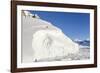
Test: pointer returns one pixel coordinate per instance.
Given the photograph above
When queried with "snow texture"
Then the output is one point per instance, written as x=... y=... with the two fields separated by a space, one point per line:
x=42 y=41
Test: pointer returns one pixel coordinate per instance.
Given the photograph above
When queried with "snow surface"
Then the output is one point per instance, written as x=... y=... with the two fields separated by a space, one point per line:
x=42 y=41
x=51 y=44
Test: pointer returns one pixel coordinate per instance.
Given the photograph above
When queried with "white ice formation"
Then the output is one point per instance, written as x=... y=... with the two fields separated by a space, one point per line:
x=43 y=40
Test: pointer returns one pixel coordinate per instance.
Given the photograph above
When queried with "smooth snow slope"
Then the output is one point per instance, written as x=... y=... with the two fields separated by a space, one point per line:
x=42 y=41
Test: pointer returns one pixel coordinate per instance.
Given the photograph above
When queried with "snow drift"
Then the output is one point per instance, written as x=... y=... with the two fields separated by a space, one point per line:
x=45 y=40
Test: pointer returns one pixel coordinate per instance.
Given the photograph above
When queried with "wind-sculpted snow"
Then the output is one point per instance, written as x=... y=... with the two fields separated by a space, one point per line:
x=42 y=41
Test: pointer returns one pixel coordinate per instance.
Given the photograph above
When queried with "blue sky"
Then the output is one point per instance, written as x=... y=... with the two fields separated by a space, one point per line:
x=74 y=25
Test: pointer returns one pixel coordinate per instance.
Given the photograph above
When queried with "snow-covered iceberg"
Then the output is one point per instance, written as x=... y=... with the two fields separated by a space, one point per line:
x=44 y=40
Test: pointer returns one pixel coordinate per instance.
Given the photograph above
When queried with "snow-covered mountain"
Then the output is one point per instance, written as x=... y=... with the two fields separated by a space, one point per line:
x=83 y=43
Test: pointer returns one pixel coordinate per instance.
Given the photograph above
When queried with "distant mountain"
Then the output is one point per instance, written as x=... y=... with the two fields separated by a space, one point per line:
x=83 y=43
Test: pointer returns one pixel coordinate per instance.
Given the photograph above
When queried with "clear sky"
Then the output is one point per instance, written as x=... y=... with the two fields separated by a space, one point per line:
x=74 y=25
